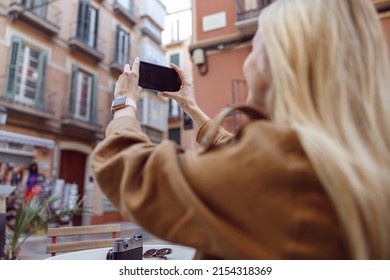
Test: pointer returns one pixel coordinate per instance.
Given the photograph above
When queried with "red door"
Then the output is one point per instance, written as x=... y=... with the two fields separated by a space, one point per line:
x=72 y=170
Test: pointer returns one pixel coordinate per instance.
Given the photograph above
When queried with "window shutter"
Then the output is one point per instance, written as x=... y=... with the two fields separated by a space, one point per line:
x=94 y=98
x=96 y=29
x=113 y=91
x=41 y=84
x=118 y=29
x=12 y=73
x=127 y=47
x=73 y=91
x=81 y=19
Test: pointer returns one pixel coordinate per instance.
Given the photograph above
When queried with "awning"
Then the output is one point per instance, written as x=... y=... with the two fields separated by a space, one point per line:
x=26 y=139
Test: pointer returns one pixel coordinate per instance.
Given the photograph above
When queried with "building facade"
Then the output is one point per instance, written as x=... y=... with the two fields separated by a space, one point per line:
x=176 y=38
x=61 y=60
x=222 y=34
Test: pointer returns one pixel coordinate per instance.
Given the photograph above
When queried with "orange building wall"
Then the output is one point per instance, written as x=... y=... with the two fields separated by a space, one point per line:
x=205 y=8
x=214 y=90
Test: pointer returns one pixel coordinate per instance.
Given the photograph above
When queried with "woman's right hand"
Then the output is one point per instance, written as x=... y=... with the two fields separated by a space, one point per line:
x=185 y=97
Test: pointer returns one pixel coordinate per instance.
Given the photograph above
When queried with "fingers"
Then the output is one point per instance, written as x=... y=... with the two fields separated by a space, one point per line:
x=126 y=68
x=173 y=95
x=135 y=67
x=165 y=94
x=181 y=74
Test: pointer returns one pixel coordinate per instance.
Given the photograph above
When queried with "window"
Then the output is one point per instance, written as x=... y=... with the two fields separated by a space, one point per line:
x=37 y=7
x=122 y=46
x=87 y=24
x=152 y=112
x=175 y=59
x=127 y=4
x=150 y=52
x=174 y=110
x=26 y=73
x=175 y=31
x=83 y=96
x=174 y=134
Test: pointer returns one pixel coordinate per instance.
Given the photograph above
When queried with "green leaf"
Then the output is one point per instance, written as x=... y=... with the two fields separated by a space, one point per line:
x=33 y=216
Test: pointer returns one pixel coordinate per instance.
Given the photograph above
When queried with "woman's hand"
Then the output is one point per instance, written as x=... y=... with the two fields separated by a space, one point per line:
x=185 y=97
x=127 y=84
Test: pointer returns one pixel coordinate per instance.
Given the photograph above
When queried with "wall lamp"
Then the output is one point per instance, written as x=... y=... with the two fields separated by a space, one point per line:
x=200 y=59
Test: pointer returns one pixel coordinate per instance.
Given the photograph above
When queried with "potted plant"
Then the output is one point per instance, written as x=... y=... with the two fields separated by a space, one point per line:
x=33 y=216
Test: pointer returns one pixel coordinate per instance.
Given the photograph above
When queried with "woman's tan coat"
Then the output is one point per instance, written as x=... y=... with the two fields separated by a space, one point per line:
x=253 y=197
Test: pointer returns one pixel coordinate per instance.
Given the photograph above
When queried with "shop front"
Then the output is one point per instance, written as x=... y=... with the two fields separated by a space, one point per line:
x=18 y=151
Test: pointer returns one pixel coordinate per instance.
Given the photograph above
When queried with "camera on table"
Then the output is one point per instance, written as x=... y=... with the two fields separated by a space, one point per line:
x=126 y=249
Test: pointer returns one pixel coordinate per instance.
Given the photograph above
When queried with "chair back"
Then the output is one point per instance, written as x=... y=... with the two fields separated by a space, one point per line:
x=78 y=245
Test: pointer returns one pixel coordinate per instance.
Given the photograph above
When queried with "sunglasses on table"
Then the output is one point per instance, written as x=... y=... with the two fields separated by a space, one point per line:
x=158 y=253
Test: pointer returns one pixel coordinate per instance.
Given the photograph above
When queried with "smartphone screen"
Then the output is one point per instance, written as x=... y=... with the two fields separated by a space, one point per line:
x=159 y=78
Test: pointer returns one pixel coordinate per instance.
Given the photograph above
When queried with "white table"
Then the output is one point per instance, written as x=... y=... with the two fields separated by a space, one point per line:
x=178 y=253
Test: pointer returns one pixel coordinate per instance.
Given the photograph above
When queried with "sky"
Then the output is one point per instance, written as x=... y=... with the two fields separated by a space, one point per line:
x=176 y=5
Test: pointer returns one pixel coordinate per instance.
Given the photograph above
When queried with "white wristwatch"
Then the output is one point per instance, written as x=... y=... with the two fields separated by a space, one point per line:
x=122 y=102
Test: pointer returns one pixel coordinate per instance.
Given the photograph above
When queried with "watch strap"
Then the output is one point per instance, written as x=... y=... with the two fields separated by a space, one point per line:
x=122 y=102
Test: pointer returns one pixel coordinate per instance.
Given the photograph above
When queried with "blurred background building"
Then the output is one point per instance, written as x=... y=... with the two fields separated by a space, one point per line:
x=222 y=34
x=60 y=61
x=176 y=38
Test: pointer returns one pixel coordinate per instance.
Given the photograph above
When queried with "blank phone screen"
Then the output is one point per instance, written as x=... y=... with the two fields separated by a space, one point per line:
x=159 y=78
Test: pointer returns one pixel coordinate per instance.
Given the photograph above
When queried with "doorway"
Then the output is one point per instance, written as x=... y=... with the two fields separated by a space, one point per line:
x=72 y=170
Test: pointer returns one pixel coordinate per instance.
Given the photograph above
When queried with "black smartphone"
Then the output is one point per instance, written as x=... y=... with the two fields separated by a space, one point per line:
x=157 y=77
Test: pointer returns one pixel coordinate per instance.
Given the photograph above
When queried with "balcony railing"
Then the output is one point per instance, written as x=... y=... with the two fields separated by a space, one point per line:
x=88 y=43
x=69 y=119
x=44 y=17
x=128 y=14
x=247 y=13
x=28 y=111
x=118 y=62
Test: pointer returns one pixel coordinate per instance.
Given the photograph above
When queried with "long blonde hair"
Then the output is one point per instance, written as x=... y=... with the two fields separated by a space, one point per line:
x=331 y=83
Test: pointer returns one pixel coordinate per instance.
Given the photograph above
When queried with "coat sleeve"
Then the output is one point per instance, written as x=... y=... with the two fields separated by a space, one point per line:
x=221 y=135
x=190 y=198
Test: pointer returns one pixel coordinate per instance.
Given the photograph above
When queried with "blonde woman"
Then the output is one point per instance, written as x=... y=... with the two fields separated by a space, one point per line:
x=308 y=180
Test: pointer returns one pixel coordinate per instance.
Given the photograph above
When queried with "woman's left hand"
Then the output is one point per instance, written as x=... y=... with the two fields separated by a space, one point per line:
x=127 y=84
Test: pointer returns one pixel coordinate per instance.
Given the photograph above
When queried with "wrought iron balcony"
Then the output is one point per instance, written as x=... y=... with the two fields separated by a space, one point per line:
x=118 y=62
x=44 y=17
x=71 y=121
x=247 y=14
x=28 y=111
x=90 y=44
